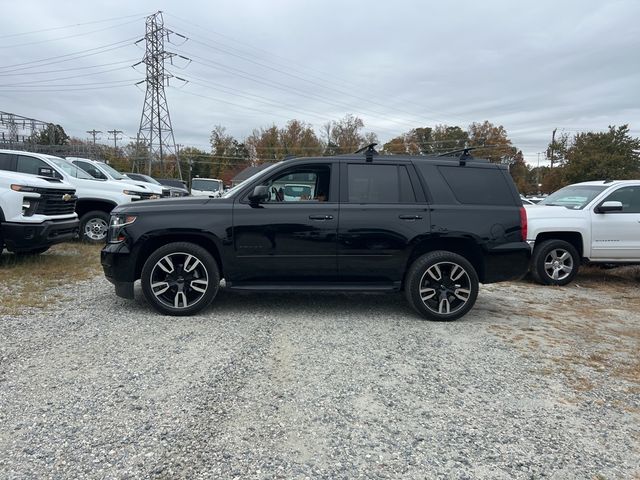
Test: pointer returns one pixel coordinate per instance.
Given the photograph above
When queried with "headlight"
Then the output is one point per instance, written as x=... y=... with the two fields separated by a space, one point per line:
x=133 y=193
x=22 y=188
x=116 y=227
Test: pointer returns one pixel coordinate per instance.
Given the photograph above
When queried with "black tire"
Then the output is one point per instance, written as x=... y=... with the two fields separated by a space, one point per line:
x=554 y=262
x=441 y=286
x=94 y=227
x=187 y=291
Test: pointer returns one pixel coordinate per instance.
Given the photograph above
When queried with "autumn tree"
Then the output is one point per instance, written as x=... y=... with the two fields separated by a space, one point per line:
x=345 y=135
x=226 y=152
x=486 y=133
x=521 y=174
x=447 y=138
x=603 y=155
x=416 y=142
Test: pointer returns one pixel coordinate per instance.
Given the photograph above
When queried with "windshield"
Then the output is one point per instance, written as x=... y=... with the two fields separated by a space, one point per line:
x=112 y=171
x=208 y=185
x=575 y=197
x=149 y=179
x=232 y=191
x=70 y=169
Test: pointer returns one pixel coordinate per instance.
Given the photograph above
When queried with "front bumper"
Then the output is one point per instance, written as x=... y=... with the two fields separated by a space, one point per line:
x=23 y=237
x=509 y=261
x=119 y=268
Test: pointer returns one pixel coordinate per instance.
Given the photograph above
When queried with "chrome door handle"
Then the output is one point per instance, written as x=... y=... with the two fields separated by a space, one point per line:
x=409 y=217
x=320 y=217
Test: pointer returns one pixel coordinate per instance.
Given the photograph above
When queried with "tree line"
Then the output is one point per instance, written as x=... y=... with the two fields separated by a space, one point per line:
x=613 y=154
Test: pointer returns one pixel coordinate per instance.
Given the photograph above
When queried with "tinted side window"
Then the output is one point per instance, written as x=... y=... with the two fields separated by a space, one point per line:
x=379 y=184
x=5 y=161
x=90 y=169
x=629 y=197
x=478 y=186
x=30 y=165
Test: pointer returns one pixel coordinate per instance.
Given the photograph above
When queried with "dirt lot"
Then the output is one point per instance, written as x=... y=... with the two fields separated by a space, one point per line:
x=536 y=382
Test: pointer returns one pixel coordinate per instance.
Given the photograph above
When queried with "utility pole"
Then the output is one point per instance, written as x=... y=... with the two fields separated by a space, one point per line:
x=553 y=141
x=93 y=133
x=156 y=132
x=115 y=134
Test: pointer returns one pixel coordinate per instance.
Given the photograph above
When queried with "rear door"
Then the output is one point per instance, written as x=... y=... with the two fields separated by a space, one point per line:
x=381 y=211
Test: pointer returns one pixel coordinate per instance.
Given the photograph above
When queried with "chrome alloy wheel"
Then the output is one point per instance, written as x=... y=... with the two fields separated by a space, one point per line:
x=445 y=288
x=96 y=229
x=558 y=264
x=179 y=280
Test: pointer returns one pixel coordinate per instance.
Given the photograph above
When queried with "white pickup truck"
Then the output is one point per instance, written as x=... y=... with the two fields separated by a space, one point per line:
x=35 y=212
x=95 y=198
x=593 y=222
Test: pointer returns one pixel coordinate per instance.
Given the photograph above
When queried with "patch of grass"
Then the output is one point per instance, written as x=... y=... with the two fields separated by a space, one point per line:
x=26 y=281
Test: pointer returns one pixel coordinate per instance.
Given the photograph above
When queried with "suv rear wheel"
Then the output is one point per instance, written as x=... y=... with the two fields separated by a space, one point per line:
x=554 y=262
x=180 y=279
x=441 y=286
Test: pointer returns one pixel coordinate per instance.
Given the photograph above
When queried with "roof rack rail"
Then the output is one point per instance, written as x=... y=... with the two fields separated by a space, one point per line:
x=464 y=153
x=369 y=151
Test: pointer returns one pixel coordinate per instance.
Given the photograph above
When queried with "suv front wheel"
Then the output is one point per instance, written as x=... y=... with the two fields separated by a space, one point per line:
x=441 y=286
x=180 y=279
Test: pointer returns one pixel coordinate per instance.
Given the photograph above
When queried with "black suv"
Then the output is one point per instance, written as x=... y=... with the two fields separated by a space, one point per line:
x=431 y=226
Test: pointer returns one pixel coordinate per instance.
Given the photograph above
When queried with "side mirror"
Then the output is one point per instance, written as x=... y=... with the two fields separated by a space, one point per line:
x=46 y=172
x=260 y=194
x=610 y=206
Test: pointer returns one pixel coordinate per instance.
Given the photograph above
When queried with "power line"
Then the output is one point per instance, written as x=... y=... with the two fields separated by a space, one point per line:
x=115 y=134
x=73 y=25
x=65 y=78
x=104 y=48
x=48 y=40
x=128 y=62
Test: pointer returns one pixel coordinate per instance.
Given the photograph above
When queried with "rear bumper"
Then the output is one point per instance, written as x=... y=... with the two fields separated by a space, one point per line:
x=509 y=261
x=22 y=237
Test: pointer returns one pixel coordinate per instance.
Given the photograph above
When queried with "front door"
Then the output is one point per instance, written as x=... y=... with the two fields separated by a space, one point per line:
x=616 y=235
x=291 y=237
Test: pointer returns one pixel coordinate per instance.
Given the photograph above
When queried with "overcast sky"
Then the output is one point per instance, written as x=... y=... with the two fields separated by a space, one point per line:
x=531 y=67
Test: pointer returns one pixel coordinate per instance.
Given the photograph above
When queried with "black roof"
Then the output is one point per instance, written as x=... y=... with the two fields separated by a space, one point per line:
x=249 y=171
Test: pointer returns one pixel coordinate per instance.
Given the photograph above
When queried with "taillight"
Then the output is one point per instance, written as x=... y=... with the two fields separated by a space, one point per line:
x=523 y=223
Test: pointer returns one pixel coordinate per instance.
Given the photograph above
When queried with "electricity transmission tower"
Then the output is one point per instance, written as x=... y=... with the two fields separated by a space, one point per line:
x=155 y=133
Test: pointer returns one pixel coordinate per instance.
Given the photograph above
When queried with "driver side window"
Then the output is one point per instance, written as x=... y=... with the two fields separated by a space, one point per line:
x=300 y=184
x=629 y=197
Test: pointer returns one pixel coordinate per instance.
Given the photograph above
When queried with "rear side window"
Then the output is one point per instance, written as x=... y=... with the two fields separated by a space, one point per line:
x=478 y=186
x=379 y=184
x=5 y=161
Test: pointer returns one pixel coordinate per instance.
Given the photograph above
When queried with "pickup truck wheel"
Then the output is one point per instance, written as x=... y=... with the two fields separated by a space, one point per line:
x=441 y=286
x=94 y=226
x=554 y=262
x=180 y=279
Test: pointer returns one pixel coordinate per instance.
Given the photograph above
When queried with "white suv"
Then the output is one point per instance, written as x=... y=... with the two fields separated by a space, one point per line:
x=96 y=198
x=102 y=171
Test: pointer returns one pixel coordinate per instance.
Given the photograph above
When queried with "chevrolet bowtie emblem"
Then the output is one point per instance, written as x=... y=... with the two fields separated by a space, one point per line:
x=66 y=197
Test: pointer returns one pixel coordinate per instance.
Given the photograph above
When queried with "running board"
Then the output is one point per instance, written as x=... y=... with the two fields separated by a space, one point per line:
x=333 y=287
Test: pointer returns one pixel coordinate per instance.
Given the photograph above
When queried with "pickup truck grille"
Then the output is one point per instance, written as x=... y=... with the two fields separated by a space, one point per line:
x=166 y=192
x=145 y=196
x=52 y=201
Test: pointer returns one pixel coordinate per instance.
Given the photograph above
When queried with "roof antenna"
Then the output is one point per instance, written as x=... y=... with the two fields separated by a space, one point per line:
x=369 y=151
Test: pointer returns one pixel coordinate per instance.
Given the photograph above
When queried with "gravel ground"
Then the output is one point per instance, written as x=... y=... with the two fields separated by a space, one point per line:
x=534 y=383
